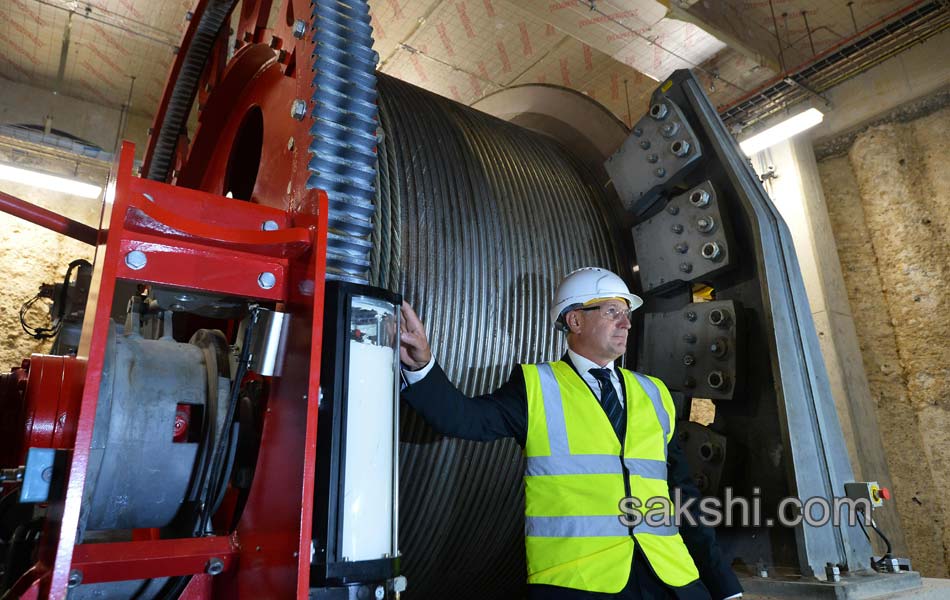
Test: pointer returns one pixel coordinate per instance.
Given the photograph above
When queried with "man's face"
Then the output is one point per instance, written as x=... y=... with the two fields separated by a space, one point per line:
x=600 y=330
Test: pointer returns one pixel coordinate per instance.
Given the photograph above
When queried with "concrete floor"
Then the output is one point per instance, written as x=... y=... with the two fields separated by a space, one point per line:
x=931 y=589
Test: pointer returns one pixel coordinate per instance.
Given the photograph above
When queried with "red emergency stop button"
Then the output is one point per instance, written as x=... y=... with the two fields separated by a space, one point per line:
x=885 y=493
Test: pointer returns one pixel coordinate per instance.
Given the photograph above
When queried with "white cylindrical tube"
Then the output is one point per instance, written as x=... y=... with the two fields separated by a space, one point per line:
x=369 y=482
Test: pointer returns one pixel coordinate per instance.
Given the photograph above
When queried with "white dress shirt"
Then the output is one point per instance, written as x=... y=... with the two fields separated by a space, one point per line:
x=411 y=377
x=584 y=365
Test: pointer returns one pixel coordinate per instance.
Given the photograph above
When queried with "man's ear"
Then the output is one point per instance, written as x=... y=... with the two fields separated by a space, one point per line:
x=573 y=321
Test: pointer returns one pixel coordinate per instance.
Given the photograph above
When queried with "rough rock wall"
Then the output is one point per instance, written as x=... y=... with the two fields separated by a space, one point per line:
x=889 y=202
x=31 y=255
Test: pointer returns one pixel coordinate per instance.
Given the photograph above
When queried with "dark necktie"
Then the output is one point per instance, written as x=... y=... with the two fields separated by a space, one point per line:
x=609 y=400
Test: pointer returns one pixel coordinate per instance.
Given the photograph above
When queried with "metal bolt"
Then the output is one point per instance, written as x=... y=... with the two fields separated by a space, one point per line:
x=716 y=380
x=269 y=225
x=47 y=474
x=659 y=111
x=214 y=567
x=290 y=143
x=702 y=482
x=298 y=109
x=75 y=578
x=686 y=267
x=719 y=317
x=699 y=198
x=266 y=280
x=705 y=224
x=832 y=572
x=710 y=452
x=681 y=247
x=669 y=130
x=135 y=260
x=645 y=144
x=679 y=148
x=637 y=131
x=719 y=347
x=652 y=158
x=689 y=338
x=380 y=592
x=676 y=228
x=306 y=287
x=690 y=315
x=181 y=422
x=711 y=251
x=689 y=360
x=672 y=209
x=300 y=28
x=660 y=172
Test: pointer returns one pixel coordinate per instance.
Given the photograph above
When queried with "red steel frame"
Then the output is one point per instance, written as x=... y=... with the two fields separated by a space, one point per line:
x=200 y=241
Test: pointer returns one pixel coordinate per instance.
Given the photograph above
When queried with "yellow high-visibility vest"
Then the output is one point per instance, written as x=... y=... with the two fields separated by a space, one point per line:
x=574 y=482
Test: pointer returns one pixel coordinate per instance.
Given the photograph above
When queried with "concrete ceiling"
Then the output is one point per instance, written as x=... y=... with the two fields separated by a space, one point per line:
x=109 y=42
x=612 y=50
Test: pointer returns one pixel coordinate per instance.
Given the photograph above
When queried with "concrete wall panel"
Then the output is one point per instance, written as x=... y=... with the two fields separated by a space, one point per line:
x=32 y=255
x=888 y=201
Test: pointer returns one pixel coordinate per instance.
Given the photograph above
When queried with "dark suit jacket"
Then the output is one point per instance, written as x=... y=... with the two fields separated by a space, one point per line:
x=504 y=413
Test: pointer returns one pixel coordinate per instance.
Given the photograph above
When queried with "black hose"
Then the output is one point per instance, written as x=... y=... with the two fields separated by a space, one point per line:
x=216 y=481
x=56 y=321
x=887 y=542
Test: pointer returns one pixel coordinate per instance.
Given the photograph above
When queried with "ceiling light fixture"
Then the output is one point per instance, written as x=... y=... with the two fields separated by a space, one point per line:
x=49 y=182
x=782 y=131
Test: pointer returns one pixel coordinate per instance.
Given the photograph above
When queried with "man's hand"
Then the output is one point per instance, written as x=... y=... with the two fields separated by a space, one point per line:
x=413 y=345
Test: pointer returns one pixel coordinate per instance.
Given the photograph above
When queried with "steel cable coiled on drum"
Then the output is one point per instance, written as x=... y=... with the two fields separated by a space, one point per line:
x=477 y=220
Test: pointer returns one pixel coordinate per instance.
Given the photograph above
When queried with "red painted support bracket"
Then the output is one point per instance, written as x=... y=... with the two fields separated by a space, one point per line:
x=191 y=215
x=121 y=561
x=199 y=267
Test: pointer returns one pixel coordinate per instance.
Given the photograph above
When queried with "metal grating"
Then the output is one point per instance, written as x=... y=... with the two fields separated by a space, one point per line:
x=840 y=63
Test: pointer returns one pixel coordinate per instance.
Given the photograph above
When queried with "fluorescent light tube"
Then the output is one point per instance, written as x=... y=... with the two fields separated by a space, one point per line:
x=782 y=131
x=49 y=182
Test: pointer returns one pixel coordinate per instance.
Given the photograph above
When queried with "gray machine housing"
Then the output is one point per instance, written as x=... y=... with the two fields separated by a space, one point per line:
x=773 y=401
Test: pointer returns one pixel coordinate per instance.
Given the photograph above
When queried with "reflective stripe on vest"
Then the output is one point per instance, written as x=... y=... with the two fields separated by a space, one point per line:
x=654 y=394
x=599 y=526
x=592 y=464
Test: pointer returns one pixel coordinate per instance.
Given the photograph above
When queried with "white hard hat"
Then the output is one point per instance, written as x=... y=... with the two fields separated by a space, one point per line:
x=586 y=285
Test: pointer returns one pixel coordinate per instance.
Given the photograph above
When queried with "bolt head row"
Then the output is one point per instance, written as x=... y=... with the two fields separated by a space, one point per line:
x=137 y=260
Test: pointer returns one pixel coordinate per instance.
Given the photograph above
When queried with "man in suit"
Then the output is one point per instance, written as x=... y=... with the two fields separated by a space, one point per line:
x=593 y=434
